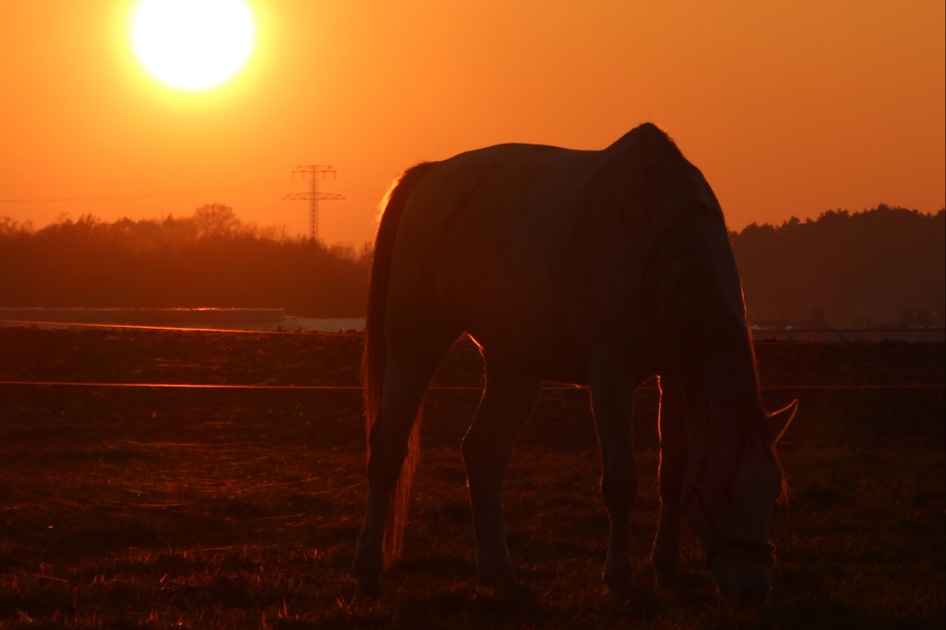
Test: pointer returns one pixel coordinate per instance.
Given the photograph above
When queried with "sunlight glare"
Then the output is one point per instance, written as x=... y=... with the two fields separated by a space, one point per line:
x=192 y=44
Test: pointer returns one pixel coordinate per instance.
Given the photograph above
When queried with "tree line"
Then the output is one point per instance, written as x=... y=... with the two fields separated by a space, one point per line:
x=880 y=267
x=210 y=259
x=877 y=267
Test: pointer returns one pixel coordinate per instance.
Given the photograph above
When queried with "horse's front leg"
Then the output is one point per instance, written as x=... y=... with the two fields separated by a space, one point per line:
x=612 y=397
x=673 y=465
x=487 y=452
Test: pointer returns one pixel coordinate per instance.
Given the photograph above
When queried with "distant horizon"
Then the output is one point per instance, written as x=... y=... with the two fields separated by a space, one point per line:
x=283 y=228
x=302 y=230
x=879 y=266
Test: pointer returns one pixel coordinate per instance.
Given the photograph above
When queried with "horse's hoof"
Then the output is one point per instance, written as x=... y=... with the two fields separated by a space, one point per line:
x=498 y=580
x=620 y=584
x=667 y=577
x=500 y=584
x=368 y=590
x=667 y=569
x=620 y=590
x=667 y=583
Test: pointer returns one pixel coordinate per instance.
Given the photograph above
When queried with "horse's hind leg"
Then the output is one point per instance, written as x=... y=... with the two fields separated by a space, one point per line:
x=487 y=452
x=412 y=359
x=612 y=397
x=673 y=465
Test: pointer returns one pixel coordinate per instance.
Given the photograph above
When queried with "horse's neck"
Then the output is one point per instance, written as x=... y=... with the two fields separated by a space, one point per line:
x=702 y=305
x=720 y=376
x=735 y=383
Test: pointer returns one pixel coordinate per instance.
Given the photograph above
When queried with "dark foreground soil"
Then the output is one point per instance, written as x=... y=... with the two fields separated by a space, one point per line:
x=157 y=507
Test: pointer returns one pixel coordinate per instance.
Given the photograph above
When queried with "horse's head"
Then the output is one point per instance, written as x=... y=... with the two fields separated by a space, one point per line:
x=729 y=496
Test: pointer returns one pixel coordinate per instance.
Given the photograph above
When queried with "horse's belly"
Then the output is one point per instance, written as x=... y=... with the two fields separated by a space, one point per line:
x=522 y=325
x=549 y=359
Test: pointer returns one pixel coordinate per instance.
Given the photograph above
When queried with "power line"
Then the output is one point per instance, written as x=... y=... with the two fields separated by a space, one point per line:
x=312 y=172
x=447 y=388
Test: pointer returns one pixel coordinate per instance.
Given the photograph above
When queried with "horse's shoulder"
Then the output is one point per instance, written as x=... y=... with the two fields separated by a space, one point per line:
x=646 y=135
x=646 y=163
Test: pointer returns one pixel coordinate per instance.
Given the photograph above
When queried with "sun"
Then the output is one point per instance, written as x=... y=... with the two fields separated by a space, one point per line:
x=192 y=44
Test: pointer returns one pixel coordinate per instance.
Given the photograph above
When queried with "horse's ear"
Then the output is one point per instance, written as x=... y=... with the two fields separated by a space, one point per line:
x=779 y=420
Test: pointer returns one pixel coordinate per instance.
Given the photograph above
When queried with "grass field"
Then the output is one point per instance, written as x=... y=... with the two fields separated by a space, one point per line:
x=220 y=508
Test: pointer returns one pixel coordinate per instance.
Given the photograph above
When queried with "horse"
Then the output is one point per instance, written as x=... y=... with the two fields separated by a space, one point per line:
x=595 y=268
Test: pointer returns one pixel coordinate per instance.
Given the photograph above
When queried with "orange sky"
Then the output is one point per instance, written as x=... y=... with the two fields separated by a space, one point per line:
x=788 y=108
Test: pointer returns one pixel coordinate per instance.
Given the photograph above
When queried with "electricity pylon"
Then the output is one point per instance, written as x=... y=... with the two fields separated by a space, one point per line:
x=312 y=172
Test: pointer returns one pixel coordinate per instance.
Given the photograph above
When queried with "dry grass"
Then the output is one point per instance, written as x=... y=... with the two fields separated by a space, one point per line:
x=217 y=509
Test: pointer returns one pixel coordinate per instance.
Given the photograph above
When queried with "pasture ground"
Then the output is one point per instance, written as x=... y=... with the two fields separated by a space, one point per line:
x=223 y=508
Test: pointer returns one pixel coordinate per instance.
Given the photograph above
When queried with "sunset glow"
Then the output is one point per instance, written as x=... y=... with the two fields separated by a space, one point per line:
x=788 y=109
x=192 y=44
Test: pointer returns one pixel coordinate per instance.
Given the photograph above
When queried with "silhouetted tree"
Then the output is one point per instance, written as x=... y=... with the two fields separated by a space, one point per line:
x=857 y=268
x=209 y=260
x=854 y=269
x=216 y=219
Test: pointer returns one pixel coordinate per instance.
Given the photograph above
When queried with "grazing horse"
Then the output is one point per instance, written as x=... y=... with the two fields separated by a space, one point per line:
x=599 y=268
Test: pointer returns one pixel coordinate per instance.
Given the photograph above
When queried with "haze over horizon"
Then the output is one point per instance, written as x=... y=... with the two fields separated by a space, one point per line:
x=789 y=110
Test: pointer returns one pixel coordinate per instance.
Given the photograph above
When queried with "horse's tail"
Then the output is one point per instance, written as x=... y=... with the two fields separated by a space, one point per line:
x=373 y=362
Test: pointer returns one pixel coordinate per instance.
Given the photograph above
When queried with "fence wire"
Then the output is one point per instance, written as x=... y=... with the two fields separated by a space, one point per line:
x=433 y=388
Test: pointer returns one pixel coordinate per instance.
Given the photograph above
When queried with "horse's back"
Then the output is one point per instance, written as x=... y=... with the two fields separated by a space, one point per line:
x=541 y=252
